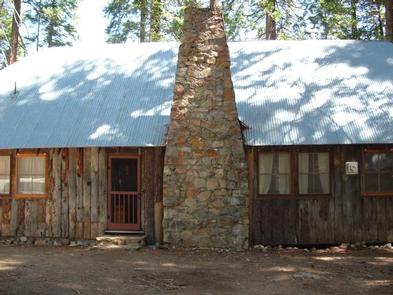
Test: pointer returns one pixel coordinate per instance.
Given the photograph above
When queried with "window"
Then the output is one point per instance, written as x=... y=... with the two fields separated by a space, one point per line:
x=5 y=175
x=314 y=176
x=293 y=174
x=31 y=176
x=274 y=173
x=378 y=172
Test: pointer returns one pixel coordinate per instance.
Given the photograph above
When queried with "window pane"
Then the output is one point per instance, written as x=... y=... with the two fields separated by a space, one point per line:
x=31 y=175
x=283 y=163
x=264 y=183
x=371 y=162
x=5 y=169
x=325 y=183
x=38 y=166
x=265 y=163
x=372 y=182
x=313 y=162
x=38 y=185
x=283 y=184
x=274 y=184
x=274 y=163
x=322 y=162
x=386 y=182
x=274 y=173
x=386 y=162
x=4 y=184
x=303 y=162
x=25 y=185
x=314 y=173
x=313 y=184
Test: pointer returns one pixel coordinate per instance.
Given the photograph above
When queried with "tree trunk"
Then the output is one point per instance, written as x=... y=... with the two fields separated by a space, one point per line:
x=155 y=20
x=389 y=20
x=380 y=21
x=38 y=31
x=51 y=26
x=15 y=33
x=354 y=20
x=213 y=4
x=143 y=10
x=271 y=31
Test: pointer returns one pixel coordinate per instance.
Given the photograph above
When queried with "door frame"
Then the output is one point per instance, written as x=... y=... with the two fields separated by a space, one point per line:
x=119 y=226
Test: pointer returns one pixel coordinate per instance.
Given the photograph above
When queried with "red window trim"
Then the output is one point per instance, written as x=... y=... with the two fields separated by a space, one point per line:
x=16 y=175
x=364 y=193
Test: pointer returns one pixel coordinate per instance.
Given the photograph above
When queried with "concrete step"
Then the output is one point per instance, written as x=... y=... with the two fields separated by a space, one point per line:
x=121 y=241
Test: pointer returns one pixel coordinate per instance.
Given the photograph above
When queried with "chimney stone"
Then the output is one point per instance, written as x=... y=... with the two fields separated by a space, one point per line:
x=205 y=172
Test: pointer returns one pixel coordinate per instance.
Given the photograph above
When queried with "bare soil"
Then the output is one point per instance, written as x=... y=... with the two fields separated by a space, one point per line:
x=79 y=271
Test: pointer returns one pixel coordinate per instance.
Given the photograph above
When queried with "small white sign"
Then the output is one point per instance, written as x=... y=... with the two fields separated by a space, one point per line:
x=351 y=168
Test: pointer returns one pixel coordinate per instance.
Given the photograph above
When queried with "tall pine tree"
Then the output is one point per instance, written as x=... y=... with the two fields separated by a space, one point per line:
x=54 y=21
x=389 y=20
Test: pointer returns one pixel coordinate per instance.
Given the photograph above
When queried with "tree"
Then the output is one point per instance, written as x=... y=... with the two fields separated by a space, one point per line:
x=155 y=20
x=6 y=13
x=16 y=21
x=270 y=27
x=123 y=20
x=389 y=20
x=54 y=21
x=348 y=19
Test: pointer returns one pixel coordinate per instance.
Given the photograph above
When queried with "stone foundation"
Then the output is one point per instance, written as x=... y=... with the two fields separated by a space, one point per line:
x=205 y=172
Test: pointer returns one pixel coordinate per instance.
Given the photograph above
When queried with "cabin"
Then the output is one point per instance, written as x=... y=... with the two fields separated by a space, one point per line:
x=128 y=140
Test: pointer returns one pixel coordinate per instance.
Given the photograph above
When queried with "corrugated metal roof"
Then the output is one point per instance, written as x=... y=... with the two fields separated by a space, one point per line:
x=118 y=95
x=287 y=92
x=314 y=92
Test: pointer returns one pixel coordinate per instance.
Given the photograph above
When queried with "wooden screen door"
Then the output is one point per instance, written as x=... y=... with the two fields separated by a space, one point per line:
x=124 y=202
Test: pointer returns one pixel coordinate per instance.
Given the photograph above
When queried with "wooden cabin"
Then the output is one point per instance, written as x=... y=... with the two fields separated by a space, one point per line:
x=80 y=193
x=82 y=140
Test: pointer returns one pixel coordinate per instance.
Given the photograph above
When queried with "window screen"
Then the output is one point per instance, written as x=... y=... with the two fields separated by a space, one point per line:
x=124 y=175
x=31 y=175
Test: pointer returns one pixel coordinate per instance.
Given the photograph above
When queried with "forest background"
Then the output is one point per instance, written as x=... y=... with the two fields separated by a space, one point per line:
x=26 y=26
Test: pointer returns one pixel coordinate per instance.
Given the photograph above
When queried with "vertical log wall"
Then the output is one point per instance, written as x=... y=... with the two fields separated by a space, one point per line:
x=345 y=216
x=76 y=206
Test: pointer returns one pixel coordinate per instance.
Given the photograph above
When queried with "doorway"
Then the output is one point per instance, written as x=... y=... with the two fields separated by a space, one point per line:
x=124 y=200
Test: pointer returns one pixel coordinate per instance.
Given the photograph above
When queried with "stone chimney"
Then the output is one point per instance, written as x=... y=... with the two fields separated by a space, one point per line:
x=205 y=172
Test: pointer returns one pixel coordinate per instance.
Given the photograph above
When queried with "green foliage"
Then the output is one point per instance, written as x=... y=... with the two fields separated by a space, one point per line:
x=156 y=20
x=5 y=31
x=346 y=19
x=239 y=18
x=123 y=23
x=54 y=21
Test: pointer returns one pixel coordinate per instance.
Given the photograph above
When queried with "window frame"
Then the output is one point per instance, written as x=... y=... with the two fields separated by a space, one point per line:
x=294 y=171
x=364 y=193
x=16 y=175
x=9 y=195
x=290 y=172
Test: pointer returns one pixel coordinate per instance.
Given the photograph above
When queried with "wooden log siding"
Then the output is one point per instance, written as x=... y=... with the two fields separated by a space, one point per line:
x=345 y=216
x=76 y=206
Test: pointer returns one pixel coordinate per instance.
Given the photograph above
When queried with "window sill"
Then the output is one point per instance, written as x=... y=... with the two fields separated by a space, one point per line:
x=377 y=195
x=33 y=196
x=293 y=197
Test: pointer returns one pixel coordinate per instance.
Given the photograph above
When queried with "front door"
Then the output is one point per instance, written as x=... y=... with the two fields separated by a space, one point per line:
x=124 y=202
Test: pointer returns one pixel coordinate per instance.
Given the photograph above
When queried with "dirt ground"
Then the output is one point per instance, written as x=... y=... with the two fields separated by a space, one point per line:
x=79 y=271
